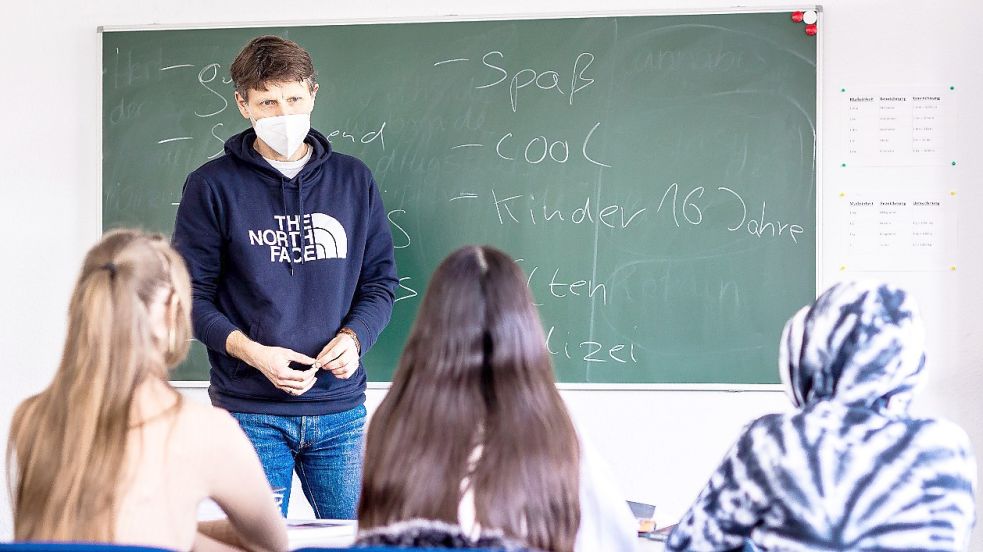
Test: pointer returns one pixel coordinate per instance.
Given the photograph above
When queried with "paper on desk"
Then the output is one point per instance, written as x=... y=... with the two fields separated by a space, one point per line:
x=341 y=527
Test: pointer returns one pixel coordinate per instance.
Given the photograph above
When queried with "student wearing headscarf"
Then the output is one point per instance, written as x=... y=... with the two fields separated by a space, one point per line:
x=851 y=469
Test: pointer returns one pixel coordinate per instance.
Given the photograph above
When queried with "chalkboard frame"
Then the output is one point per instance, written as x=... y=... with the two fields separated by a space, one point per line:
x=450 y=18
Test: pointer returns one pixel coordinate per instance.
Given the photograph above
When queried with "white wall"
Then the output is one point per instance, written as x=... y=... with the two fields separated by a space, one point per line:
x=662 y=444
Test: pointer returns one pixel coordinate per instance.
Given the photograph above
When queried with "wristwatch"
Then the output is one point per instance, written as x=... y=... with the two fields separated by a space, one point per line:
x=351 y=333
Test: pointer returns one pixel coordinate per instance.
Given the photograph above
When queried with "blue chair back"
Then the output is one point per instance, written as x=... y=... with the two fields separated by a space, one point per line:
x=74 y=547
x=392 y=548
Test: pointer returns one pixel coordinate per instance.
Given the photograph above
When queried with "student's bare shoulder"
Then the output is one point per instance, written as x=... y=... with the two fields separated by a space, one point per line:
x=207 y=421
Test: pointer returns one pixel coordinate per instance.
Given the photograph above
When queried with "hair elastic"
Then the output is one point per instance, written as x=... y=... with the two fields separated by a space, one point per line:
x=111 y=267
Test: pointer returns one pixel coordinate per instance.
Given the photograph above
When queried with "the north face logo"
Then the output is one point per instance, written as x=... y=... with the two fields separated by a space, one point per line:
x=324 y=238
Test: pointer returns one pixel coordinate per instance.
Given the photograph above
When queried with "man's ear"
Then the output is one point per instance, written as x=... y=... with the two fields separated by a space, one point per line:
x=314 y=92
x=242 y=105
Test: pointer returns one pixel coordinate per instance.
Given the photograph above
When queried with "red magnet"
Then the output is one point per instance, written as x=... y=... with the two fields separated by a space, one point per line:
x=811 y=30
x=797 y=17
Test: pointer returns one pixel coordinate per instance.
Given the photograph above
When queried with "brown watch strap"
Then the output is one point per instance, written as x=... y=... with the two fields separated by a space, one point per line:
x=351 y=333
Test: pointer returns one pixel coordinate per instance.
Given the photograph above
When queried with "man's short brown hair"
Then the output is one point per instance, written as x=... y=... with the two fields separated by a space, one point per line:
x=271 y=59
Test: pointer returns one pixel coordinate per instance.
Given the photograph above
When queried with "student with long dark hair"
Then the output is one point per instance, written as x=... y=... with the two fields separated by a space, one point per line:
x=473 y=438
x=109 y=451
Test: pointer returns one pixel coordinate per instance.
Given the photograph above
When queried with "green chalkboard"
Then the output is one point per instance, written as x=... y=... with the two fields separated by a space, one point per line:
x=656 y=175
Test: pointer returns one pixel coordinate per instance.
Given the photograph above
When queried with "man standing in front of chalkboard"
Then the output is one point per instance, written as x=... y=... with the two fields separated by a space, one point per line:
x=294 y=277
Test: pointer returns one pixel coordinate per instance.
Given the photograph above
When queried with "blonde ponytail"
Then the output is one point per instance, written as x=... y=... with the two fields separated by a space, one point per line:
x=67 y=444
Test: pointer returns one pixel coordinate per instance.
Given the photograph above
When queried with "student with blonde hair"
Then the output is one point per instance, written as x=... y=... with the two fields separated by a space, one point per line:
x=109 y=452
x=473 y=445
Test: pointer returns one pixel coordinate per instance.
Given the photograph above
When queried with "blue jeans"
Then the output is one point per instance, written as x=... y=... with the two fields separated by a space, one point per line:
x=326 y=452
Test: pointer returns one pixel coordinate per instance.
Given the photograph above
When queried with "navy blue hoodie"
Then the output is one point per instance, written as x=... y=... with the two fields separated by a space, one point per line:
x=288 y=262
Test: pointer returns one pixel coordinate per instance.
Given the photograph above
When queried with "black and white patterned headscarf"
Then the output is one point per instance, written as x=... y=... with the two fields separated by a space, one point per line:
x=850 y=470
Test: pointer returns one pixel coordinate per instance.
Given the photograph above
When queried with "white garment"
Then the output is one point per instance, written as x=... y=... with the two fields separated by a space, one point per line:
x=606 y=521
x=291 y=169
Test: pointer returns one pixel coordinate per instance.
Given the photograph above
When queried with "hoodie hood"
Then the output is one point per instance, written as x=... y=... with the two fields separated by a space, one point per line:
x=861 y=344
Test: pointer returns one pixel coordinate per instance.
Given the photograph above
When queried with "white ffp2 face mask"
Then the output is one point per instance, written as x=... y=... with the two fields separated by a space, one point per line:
x=284 y=133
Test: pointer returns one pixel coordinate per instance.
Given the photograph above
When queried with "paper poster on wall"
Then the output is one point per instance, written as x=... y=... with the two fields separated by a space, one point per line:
x=898 y=231
x=899 y=126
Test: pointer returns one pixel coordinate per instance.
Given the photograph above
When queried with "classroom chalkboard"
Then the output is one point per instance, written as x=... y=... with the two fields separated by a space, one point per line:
x=655 y=176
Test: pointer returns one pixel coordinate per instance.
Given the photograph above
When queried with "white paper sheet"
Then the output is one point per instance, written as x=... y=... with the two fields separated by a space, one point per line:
x=900 y=126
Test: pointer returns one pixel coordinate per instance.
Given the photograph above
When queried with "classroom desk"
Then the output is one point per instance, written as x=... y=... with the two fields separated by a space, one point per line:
x=645 y=545
x=299 y=534
x=299 y=537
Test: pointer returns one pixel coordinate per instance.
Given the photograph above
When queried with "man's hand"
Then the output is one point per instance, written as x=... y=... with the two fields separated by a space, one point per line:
x=339 y=356
x=274 y=363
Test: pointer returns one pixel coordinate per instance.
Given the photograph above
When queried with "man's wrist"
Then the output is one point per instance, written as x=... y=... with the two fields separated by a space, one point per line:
x=351 y=333
x=239 y=346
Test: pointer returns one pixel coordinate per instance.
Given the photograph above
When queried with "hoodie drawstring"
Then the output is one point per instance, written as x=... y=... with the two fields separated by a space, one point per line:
x=300 y=203
x=283 y=201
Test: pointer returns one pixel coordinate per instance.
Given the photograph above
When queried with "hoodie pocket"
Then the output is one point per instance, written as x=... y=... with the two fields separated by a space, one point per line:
x=241 y=368
x=238 y=369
